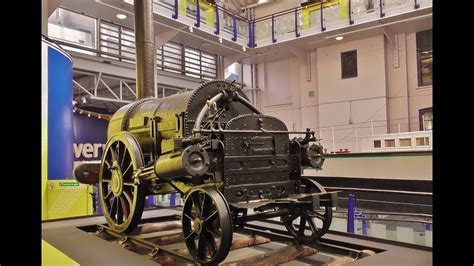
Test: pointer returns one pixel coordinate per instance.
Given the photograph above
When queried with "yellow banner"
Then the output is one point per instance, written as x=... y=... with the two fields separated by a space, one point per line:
x=344 y=9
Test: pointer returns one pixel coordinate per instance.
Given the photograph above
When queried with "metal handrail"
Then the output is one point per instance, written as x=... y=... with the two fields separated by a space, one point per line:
x=382 y=191
x=391 y=220
x=392 y=213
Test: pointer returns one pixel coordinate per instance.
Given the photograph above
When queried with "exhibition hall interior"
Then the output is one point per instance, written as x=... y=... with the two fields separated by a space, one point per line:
x=236 y=132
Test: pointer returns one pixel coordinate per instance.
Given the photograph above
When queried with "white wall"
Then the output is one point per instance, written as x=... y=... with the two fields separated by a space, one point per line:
x=360 y=99
x=397 y=81
x=409 y=167
x=383 y=92
x=406 y=98
x=419 y=97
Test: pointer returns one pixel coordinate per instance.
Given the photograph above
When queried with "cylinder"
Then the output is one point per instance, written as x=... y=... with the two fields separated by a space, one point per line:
x=57 y=126
x=145 y=49
x=192 y=161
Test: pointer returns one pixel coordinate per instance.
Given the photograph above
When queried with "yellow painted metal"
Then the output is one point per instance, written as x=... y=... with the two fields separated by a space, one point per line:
x=170 y=165
x=167 y=145
x=182 y=7
x=344 y=9
x=165 y=188
x=51 y=256
x=185 y=188
x=307 y=10
x=210 y=12
x=68 y=198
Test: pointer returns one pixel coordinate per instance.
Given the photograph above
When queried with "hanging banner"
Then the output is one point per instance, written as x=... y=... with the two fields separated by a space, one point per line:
x=344 y=9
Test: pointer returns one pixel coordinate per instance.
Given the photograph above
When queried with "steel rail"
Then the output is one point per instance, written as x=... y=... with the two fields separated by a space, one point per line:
x=155 y=248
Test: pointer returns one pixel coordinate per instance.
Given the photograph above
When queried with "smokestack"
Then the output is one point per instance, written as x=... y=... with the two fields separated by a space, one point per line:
x=145 y=51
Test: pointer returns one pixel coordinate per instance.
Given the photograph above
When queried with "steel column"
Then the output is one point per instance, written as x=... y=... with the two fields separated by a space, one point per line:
x=297 y=33
x=216 y=8
x=350 y=13
x=145 y=49
x=234 y=29
x=382 y=14
x=322 y=18
x=350 y=213
x=175 y=9
x=273 y=29
x=198 y=14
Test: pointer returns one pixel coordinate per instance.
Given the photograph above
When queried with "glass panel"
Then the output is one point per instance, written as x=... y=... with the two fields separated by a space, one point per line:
x=420 y=141
x=405 y=142
x=424 y=47
x=394 y=7
x=377 y=143
x=389 y=143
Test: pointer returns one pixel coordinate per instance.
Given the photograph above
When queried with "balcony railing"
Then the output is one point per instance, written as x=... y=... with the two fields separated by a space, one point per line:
x=282 y=26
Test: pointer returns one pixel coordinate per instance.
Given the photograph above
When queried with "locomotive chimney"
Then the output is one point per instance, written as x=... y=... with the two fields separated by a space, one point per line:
x=145 y=51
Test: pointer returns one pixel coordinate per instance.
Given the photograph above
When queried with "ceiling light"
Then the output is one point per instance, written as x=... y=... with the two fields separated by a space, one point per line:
x=121 y=16
x=84 y=100
x=89 y=115
x=191 y=29
x=220 y=40
x=74 y=102
x=338 y=38
x=244 y=49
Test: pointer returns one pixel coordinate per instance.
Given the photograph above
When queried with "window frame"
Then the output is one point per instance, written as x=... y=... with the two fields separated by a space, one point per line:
x=344 y=74
x=419 y=59
x=421 y=112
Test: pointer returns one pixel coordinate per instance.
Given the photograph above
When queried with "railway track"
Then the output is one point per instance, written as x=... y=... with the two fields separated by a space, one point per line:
x=259 y=243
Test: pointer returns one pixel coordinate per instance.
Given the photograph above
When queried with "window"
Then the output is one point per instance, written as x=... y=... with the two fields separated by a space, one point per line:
x=109 y=39
x=420 y=142
x=169 y=57
x=200 y=64
x=389 y=143
x=116 y=42
x=424 y=49
x=73 y=28
x=426 y=119
x=349 y=64
x=405 y=142
x=377 y=144
x=115 y=39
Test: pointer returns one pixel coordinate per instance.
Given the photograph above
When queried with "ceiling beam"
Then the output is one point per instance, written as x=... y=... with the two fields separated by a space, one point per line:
x=164 y=37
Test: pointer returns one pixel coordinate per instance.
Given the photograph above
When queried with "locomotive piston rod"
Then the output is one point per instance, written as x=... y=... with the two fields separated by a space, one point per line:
x=192 y=161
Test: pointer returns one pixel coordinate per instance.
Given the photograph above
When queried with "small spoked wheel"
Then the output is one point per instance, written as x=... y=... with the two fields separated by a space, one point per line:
x=207 y=225
x=318 y=220
x=122 y=199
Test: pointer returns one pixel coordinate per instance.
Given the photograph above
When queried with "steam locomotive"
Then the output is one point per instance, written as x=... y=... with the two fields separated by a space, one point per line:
x=224 y=156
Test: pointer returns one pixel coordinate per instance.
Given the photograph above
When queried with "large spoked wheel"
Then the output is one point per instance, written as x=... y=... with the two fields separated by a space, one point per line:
x=318 y=220
x=207 y=225
x=122 y=199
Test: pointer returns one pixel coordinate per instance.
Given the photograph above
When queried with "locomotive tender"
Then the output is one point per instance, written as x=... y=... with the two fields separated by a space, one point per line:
x=223 y=156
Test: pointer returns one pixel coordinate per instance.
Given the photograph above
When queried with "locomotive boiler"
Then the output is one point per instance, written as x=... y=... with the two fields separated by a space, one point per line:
x=224 y=157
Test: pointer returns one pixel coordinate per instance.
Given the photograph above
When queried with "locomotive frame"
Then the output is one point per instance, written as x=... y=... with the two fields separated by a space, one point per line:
x=224 y=157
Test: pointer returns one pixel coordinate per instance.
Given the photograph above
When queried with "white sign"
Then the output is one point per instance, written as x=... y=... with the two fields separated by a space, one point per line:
x=87 y=150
